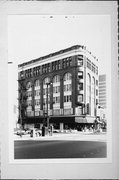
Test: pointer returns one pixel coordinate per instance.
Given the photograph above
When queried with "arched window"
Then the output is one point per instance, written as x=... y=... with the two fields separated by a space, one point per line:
x=46 y=80
x=29 y=99
x=28 y=85
x=46 y=94
x=37 y=97
x=56 y=95
x=56 y=85
x=67 y=87
x=67 y=76
x=56 y=79
x=37 y=83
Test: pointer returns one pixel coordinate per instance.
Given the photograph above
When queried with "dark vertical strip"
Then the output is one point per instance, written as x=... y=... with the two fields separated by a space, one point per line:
x=118 y=35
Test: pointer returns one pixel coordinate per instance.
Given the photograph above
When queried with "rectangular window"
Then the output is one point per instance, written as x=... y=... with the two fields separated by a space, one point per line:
x=80 y=86
x=64 y=63
x=44 y=100
x=56 y=89
x=80 y=60
x=37 y=93
x=56 y=100
x=80 y=75
x=93 y=67
x=70 y=61
x=88 y=64
x=56 y=65
x=96 y=92
x=67 y=98
x=44 y=91
x=37 y=70
x=96 y=82
x=67 y=87
x=37 y=102
x=43 y=68
x=48 y=67
x=59 y=66
x=53 y=66
x=29 y=93
x=37 y=113
x=80 y=98
x=29 y=103
x=67 y=62
x=96 y=70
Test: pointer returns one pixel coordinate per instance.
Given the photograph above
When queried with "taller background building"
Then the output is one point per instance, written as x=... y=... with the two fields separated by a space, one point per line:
x=62 y=85
x=102 y=96
x=102 y=90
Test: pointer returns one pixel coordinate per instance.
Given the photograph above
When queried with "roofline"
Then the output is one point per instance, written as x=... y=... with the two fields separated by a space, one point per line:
x=52 y=54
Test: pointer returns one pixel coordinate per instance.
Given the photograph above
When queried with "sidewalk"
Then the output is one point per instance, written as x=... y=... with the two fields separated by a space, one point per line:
x=85 y=136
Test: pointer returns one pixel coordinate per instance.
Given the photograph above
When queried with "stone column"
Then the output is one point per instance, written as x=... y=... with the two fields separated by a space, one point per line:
x=61 y=127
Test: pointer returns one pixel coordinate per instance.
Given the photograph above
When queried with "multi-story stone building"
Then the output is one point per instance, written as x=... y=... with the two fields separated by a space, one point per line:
x=62 y=85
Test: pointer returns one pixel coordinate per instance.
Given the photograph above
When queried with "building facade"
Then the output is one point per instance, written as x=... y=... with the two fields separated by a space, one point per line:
x=102 y=90
x=62 y=86
x=102 y=96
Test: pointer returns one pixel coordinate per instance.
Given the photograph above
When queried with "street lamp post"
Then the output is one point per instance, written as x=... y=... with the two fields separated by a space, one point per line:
x=47 y=84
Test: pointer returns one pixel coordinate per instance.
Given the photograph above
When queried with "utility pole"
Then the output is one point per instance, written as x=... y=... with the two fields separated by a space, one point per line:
x=47 y=84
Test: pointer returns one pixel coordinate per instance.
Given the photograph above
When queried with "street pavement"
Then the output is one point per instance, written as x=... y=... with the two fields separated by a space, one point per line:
x=85 y=136
x=60 y=145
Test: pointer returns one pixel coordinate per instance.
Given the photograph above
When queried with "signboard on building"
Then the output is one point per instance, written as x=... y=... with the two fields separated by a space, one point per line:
x=80 y=120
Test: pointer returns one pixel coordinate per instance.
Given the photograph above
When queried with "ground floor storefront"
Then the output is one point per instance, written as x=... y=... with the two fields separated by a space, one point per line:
x=60 y=122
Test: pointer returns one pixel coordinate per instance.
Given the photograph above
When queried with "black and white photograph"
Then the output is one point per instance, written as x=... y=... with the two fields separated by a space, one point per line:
x=60 y=91
x=58 y=85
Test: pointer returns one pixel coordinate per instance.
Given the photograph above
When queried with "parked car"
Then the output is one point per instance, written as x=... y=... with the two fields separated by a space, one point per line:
x=56 y=131
x=21 y=132
x=38 y=132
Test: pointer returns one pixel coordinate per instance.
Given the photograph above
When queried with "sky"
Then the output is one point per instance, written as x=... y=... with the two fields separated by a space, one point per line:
x=33 y=36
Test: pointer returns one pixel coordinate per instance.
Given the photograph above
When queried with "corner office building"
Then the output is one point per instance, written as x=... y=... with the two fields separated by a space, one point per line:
x=63 y=85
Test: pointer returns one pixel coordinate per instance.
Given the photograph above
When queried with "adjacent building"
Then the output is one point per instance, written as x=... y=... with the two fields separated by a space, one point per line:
x=102 y=90
x=102 y=96
x=61 y=88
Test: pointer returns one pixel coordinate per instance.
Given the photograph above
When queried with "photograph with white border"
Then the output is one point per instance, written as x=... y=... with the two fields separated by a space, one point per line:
x=59 y=98
x=51 y=56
